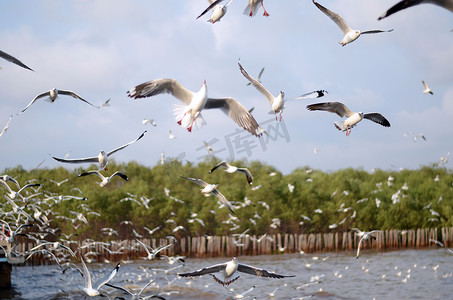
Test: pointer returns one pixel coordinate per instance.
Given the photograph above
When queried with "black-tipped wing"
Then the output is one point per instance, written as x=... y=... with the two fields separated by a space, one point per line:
x=97 y=173
x=77 y=161
x=74 y=95
x=209 y=8
x=36 y=98
x=333 y=107
x=107 y=278
x=223 y=199
x=259 y=272
x=375 y=31
x=124 y=146
x=13 y=60
x=313 y=95
x=161 y=86
x=221 y=164
x=247 y=173
x=204 y=271
x=400 y=6
x=237 y=112
x=120 y=174
x=377 y=118
x=197 y=181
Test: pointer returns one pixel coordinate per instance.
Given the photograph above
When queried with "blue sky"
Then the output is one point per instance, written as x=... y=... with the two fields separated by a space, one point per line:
x=101 y=49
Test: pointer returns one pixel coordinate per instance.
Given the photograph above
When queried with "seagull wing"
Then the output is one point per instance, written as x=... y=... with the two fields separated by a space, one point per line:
x=124 y=146
x=375 y=31
x=95 y=172
x=220 y=164
x=377 y=118
x=86 y=274
x=222 y=199
x=403 y=5
x=237 y=112
x=259 y=272
x=334 y=17
x=358 y=247
x=247 y=173
x=36 y=98
x=120 y=174
x=197 y=181
x=107 y=278
x=77 y=161
x=14 y=60
x=207 y=270
x=333 y=107
x=74 y=95
x=161 y=86
x=425 y=85
x=257 y=85
x=213 y=3
x=312 y=95
x=121 y=289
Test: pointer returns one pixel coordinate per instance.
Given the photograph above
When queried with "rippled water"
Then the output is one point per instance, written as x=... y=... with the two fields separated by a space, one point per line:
x=409 y=274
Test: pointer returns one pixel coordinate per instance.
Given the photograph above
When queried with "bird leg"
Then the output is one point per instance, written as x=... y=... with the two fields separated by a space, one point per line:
x=265 y=12
x=281 y=115
x=232 y=280
x=348 y=131
x=218 y=280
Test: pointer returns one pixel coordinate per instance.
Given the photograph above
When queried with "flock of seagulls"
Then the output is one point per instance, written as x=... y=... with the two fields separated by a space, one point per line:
x=188 y=115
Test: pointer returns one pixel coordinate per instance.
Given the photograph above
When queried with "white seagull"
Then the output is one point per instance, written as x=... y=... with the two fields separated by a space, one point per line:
x=5 y=129
x=105 y=180
x=153 y=252
x=93 y=290
x=350 y=35
x=352 y=117
x=277 y=103
x=149 y=121
x=231 y=169
x=447 y=4
x=53 y=95
x=253 y=8
x=427 y=90
x=365 y=236
x=194 y=103
x=14 y=60
x=218 y=10
x=211 y=189
x=228 y=269
x=102 y=158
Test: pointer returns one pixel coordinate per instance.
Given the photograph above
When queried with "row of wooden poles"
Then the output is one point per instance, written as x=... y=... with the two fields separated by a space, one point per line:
x=221 y=246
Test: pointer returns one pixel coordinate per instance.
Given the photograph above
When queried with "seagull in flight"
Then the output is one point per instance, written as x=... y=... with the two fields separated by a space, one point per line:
x=427 y=90
x=365 y=236
x=93 y=290
x=447 y=4
x=277 y=103
x=5 y=129
x=352 y=117
x=218 y=10
x=105 y=180
x=102 y=158
x=230 y=268
x=312 y=95
x=190 y=113
x=211 y=189
x=231 y=169
x=153 y=252
x=53 y=95
x=350 y=35
x=253 y=7
x=13 y=60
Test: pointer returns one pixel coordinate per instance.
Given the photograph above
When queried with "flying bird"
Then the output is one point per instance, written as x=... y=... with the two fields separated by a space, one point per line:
x=277 y=103
x=231 y=169
x=93 y=290
x=13 y=60
x=102 y=158
x=365 y=236
x=350 y=35
x=211 y=189
x=218 y=10
x=447 y=4
x=190 y=113
x=427 y=90
x=149 y=121
x=105 y=180
x=230 y=268
x=352 y=117
x=53 y=95
x=5 y=129
x=253 y=8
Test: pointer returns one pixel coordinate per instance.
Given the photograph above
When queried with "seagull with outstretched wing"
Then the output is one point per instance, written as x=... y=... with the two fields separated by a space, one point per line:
x=352 y=117
x=101 y=159
x=230 y=268
x=105 y=180
x=218 y=10
x=350 y=35
x=231 y=169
